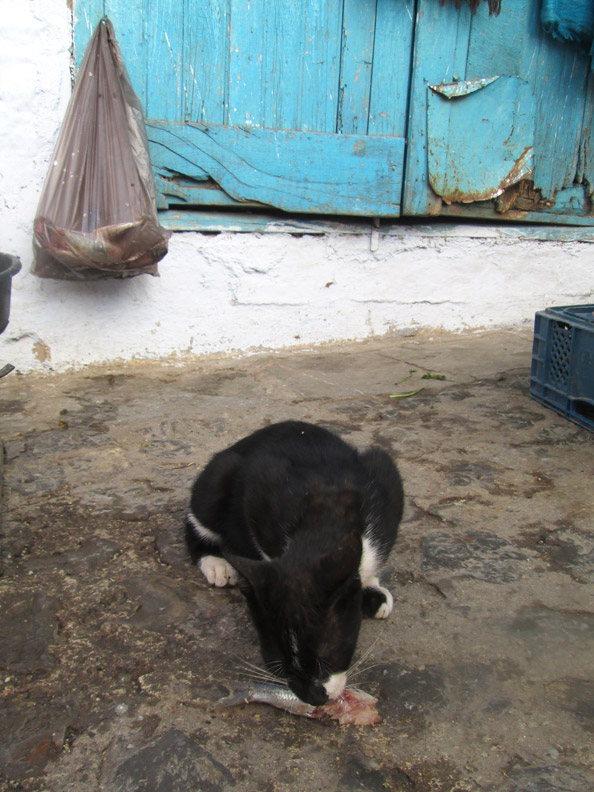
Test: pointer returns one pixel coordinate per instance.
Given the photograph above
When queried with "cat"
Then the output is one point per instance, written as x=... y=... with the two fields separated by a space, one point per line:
x=303 y=522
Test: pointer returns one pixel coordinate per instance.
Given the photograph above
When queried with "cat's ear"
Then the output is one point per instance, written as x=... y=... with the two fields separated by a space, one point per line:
x=257 y=573
x=342 y=563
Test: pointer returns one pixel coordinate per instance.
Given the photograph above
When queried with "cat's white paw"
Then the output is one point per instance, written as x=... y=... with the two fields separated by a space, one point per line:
x=386 y=609
x=218 y=571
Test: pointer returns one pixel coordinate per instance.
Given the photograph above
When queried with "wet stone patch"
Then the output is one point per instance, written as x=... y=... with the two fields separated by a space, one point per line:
x=563 y=549
x=477 y=554
x=575 y=696
x=34 y=732
x=28 y=628
x=411 y=693
x=544 y=778
x=173 y=763
x=358 y=776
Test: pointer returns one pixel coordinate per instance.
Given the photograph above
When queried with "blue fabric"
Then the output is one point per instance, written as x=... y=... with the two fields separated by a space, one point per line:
x=570 y=20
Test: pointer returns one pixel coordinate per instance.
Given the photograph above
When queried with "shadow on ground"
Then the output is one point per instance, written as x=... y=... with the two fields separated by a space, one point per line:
x=113 y=650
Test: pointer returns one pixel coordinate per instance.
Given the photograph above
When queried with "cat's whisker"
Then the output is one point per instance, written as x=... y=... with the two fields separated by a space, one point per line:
x=356 y=668
x=253 y=671
x=247 y=664
x=251 y=668
x=277 y=668
x=358 y=673
x=364 y=655
x=368 y=651
x=254 y=675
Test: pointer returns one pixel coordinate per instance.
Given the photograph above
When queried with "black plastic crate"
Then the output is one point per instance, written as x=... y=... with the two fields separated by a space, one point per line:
x=562 y=375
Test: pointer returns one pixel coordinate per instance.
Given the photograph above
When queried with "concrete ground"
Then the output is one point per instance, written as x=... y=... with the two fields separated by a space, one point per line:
x=113 y=649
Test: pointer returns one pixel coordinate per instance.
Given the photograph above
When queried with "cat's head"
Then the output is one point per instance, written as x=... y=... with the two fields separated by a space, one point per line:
x=308 y=615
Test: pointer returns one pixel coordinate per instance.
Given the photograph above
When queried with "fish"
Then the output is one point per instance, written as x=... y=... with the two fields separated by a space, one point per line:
x=352 y=706
x=279 y=696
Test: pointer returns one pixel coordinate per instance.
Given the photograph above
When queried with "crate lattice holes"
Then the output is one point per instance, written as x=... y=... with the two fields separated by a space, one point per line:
x=562 y=375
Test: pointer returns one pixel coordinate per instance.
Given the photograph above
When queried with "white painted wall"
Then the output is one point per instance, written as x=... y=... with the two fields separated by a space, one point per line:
x=240 y=291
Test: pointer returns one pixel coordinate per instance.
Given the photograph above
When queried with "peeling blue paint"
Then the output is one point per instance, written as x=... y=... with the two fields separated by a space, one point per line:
x=462 y=87
x=480 y=138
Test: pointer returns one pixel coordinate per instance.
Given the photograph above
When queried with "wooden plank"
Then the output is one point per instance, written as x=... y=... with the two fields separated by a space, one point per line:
x=563 y=80
x=284 y=64
x=249 y=93
x=497 y=44
x=164 y=36
x=180 y=192
x=293 y=171
x=585 y=171
x=259 y=223
x=457 y=228
x=514 y=44
x=558 y=74
x=220 y=222
x=87 y=14
x=440 y=50
x=313 y=69
x=572 y=205
x=206 y=60
x=129 y=22
x=484 y=211
x=356 y=66
x=392 y=55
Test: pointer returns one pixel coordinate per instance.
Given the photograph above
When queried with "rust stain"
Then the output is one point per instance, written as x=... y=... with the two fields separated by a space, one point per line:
x=521 y=168
x=522 y=197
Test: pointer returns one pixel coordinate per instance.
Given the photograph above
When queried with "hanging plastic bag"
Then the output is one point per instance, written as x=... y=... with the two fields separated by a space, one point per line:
x=97 y=215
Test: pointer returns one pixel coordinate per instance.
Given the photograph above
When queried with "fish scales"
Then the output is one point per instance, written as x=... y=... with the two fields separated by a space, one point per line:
x=278 y=696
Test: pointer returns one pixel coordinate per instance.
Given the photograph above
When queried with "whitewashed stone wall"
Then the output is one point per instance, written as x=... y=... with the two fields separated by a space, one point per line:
x=237 y=292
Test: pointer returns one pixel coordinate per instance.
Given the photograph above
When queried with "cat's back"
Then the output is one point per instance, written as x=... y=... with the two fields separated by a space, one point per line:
x=297 y=442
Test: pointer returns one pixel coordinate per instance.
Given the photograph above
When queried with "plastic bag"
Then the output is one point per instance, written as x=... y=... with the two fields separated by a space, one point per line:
x=97 y=214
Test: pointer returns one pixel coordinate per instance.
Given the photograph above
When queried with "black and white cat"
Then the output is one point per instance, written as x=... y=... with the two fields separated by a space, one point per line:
x=306 y=522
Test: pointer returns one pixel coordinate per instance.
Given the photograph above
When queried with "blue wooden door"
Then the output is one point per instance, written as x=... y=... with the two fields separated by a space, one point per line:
x=500 y=118
x=359 y=107
x=300 y=106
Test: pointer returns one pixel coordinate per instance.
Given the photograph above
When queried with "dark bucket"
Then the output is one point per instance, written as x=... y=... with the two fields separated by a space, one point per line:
x=9 y=266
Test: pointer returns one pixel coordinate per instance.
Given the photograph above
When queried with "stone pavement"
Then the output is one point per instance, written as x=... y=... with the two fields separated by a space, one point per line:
x=113 y=650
